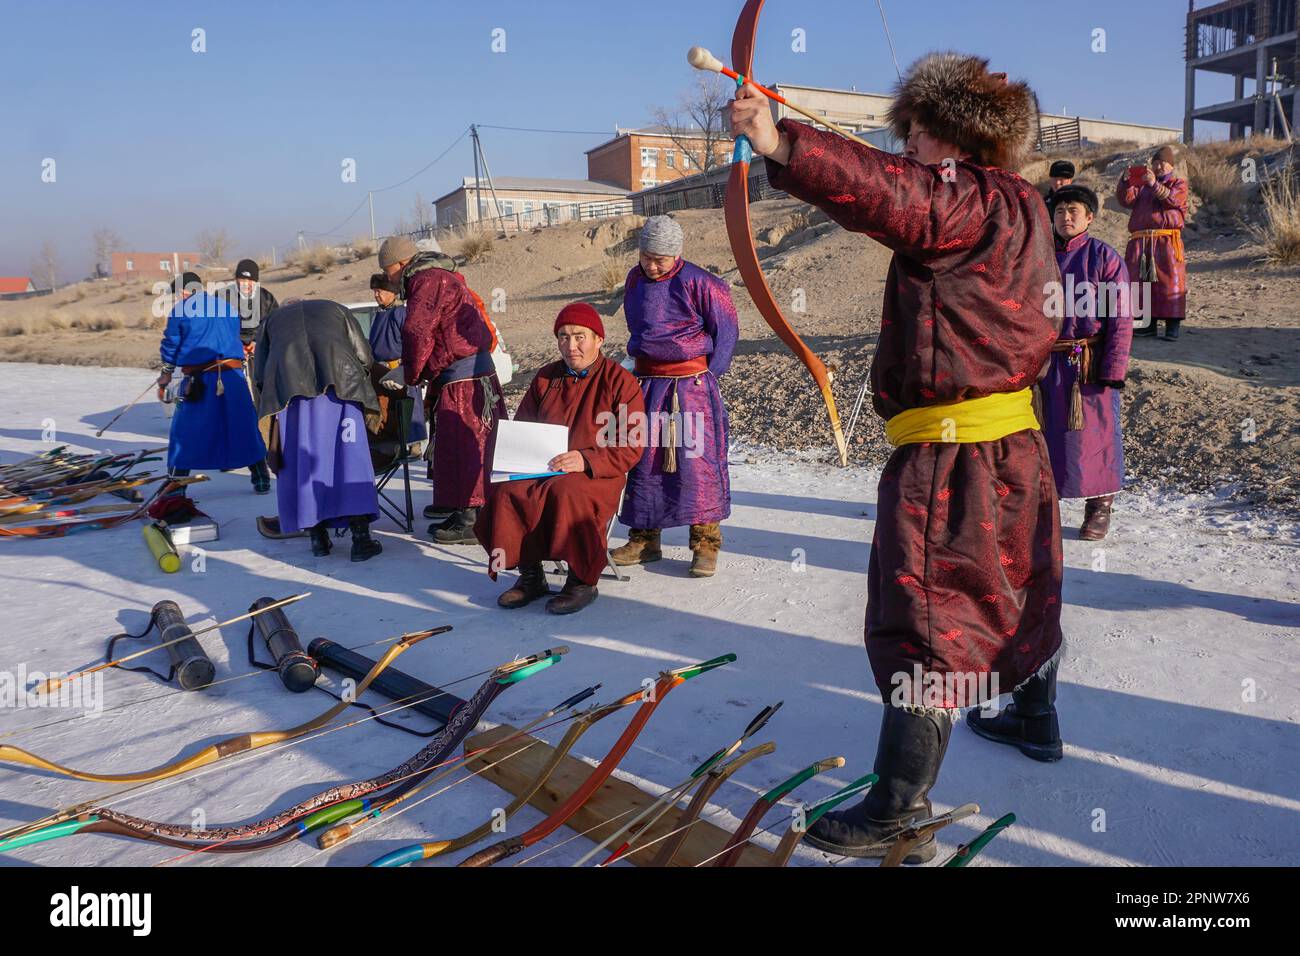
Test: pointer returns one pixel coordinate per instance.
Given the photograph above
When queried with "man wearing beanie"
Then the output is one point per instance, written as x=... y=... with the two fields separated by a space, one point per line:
x=386 y=346
x=565 y=517
x=683 y=328
x=1155 y=247
x=447 y=342
x=1061 y=174
x=964 y=585
x=254 y=302
x=1081 y=391
x=215 y=425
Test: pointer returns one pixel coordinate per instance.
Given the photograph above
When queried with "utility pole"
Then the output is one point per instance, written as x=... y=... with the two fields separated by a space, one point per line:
x=487 y=174
x=478 y=189
x=370 y=198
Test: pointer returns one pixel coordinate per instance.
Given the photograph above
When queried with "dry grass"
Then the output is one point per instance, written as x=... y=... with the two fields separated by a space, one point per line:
x=1280 y=232
x=795 y=223
x=613 y=273
x=1217 y=182
x=474 y=245
x=363 y=247
x=314 y=259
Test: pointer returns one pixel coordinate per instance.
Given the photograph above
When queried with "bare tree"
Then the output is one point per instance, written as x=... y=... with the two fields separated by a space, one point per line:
x=422 y=215
x=212 y=246
x=698 y=125
x=46 y=265
x=106 y=242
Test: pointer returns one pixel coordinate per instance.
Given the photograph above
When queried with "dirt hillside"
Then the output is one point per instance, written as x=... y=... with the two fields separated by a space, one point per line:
x=1217 y=411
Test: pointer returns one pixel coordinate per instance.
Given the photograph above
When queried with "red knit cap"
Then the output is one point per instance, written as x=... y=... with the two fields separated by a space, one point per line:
x=579 y=313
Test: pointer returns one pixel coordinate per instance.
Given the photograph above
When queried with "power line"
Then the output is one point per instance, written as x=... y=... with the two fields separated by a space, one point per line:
x=426 y=166
x=528 y=129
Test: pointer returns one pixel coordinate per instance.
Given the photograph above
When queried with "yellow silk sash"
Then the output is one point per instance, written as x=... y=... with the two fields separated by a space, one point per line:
x=976 y=419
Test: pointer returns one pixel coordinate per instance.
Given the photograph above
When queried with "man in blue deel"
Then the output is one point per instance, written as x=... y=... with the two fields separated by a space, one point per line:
x=215 y=425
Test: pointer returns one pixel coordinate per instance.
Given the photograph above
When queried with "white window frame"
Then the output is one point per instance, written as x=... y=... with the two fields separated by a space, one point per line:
x=649 y=157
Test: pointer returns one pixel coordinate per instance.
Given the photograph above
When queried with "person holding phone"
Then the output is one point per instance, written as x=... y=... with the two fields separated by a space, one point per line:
x=1158 y=200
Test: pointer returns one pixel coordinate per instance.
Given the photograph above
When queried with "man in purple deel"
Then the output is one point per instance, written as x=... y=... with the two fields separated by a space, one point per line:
x=683 y=330
x=1081 y=391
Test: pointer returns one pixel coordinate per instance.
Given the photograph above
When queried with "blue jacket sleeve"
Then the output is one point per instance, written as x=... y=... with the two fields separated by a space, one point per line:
x=173 y=337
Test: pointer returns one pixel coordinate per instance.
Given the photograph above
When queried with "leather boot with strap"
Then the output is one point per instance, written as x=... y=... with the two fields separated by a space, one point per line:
x=1028 y=722
x=1096 y=518
x=642 y=547
x=706 y=542
x=573 y=598
x=908 y=758
x=530 y=586
x=364 y=547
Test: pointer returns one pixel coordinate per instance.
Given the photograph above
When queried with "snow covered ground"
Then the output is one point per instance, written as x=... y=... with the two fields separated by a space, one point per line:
x=1178 y=695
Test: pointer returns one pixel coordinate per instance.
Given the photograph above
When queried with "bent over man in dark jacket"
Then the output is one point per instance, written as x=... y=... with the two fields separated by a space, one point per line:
x=312 y=371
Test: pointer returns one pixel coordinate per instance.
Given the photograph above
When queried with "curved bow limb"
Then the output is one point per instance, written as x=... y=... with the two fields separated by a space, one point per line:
x=284 y=826
x=740 y=235
x=666 y=682
x=240 y=743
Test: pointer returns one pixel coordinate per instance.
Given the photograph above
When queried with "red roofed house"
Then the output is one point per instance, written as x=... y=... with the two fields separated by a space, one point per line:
x=151 y=265
x=12 y=284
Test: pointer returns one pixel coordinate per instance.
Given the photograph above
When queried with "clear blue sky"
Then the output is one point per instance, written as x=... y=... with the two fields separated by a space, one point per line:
x=159 y=143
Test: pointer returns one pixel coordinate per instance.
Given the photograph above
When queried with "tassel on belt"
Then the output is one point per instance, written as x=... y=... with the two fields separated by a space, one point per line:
x=687 y=368
x=973 y=420
x=216 y=366
x=1080 y=353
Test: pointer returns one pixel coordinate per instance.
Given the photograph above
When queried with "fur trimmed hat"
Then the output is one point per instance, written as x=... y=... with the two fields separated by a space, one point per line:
x=957 y=100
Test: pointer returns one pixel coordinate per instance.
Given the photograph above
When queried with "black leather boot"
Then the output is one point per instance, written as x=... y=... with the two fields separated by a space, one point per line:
x=320 y=540
x=908 y=758
x=364 y=547
x=1028 y=722
x=1171 y=329
x=458 y=528
x=530 y=586
x=573 y=598
x=260 y=475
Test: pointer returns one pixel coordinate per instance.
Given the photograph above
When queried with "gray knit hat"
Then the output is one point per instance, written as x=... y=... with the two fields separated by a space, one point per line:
x=396 y=249
x=661 y=236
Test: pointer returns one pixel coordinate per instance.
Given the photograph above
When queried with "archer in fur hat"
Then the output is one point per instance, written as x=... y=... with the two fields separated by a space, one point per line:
x=955 y=99
x=964 y=508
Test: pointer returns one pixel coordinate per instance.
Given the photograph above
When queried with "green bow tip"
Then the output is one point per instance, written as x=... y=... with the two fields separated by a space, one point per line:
x=52 y=832
x=686 y=673
x=514 y=677
x=332 y=814
x=817 y=810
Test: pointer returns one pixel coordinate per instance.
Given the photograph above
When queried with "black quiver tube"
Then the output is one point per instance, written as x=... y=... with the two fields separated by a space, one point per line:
x=392 y=684
x=298 y=672
x=191 y=667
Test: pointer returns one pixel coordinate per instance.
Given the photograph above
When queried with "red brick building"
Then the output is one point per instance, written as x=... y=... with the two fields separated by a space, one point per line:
x=637 y=159
x=151 y=265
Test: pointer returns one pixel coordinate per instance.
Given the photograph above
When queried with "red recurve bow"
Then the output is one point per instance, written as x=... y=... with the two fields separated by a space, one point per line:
x=742 y=241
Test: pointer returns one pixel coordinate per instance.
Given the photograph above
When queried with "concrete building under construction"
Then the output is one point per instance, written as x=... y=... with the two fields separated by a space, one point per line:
x=1245 y=39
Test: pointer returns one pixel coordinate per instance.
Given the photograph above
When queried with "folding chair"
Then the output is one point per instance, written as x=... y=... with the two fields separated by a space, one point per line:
x=560 y=567
x=402 y=461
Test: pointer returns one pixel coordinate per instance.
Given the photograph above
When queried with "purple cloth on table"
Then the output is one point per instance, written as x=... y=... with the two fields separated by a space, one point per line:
x=327 y=474
x=684 y=315
x=1089 y=462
